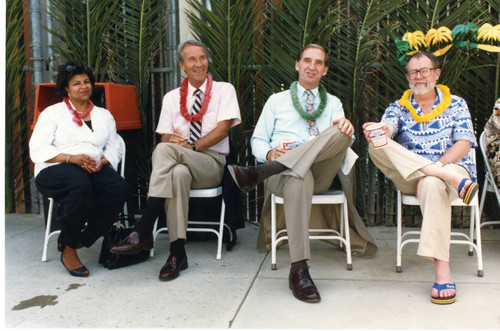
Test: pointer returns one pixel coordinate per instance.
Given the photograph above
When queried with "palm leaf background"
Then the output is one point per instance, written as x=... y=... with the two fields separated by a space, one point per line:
x=85 y=33
x=253 y=44
x=17 y=174
x=229 y=32
x=139 y=30
x=364 y=70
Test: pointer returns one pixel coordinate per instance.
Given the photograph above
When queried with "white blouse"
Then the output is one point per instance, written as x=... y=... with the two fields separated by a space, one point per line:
x=55 y=132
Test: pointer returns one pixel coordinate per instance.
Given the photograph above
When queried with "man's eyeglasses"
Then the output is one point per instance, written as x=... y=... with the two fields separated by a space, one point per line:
x=424 y=72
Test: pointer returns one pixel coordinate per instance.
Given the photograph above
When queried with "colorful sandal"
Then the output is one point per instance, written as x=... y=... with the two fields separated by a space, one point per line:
x=470 y=192
x=443 y=300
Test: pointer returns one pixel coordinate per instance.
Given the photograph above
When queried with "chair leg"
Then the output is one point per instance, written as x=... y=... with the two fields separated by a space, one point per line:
x=221 y=230
x=273 y=232
x=345 y=215
x=472 y=234
x=483 y=195
x=47 y=230
x=479 y=249
x=342 y=213
x=152 y=251
x=398 y=234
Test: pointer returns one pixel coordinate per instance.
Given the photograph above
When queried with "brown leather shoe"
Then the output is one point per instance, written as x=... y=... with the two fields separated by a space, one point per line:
x=173 y=267
x=245 y=177
x=132 y=244
x=302 y=286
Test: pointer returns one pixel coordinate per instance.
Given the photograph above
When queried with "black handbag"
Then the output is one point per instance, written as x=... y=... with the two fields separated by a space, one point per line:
x=114 y=261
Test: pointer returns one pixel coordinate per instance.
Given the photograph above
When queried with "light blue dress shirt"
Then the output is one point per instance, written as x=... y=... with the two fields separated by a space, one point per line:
x=279 y=119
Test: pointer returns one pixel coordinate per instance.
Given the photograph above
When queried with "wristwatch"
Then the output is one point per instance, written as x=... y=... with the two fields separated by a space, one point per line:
x=193 y=146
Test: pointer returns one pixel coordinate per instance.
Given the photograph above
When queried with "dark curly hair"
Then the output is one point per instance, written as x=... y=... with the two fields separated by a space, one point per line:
x=66 y=71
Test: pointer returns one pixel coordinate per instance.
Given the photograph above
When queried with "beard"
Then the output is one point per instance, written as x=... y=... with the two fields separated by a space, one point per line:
x=422 y=89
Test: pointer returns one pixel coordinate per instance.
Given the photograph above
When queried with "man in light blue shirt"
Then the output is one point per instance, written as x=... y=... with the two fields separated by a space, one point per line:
x=314 y=120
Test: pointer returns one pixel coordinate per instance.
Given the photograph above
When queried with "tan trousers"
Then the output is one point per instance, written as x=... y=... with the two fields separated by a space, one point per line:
x=312 y=168
x=434 y=195
x=175 y=171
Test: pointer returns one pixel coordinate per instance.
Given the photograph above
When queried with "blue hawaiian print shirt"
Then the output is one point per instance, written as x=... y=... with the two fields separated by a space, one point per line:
x=433 y=138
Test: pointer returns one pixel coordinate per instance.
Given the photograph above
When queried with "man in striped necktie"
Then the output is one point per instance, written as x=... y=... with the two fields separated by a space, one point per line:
x=194 y=125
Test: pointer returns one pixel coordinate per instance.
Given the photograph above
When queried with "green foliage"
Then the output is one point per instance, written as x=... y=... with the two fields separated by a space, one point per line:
x=229 y=33
x=17 y=178
x=364 y=72
x=140 y=28
x=85 y=32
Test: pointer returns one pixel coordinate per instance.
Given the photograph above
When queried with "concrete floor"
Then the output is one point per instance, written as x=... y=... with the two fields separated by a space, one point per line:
x=241 y=291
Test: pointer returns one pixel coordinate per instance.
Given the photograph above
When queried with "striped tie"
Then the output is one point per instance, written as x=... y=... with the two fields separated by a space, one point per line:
x=195 y=129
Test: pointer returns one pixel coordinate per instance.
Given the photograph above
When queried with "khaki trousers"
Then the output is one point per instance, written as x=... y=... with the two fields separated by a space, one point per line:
x=175 y=171
x=312 y=168
x=434 y=195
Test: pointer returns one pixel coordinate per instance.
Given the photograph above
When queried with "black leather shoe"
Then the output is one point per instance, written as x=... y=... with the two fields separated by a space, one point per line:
x=132 y=244
x=245 y=177
x=79 y=272
x=173 y=267
x=302 y=286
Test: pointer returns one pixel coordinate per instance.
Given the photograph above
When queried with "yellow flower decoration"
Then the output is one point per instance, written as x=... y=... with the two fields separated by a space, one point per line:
x=440 y=108
x=489 y=32
x=415 y=39
x=435 y=36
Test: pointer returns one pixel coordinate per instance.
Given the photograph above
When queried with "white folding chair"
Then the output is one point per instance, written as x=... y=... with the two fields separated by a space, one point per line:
x=489 y=182
x=202 y=193
x=331 y=197
x=48 y=225
x=475 y=219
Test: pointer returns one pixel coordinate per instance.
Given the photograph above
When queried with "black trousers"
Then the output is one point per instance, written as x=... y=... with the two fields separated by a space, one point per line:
x=94 y=198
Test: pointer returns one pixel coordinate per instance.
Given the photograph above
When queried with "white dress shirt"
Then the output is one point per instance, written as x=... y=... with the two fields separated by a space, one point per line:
x=223 y=106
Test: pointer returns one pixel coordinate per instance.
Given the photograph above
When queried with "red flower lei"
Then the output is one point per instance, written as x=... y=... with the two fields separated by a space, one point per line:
x=204 y=106
x=77 y=117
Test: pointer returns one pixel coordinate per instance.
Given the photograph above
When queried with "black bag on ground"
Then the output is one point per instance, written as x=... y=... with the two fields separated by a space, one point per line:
x=114 y=261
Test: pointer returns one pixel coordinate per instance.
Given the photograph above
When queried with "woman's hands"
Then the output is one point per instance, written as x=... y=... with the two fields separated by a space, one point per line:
x=88 y=163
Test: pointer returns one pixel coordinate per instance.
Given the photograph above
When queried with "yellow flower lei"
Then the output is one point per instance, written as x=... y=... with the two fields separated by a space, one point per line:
x=440 y=108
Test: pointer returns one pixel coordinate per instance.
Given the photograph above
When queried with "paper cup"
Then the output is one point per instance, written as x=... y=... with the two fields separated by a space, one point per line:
x=288 y=143
x=185 y=131
x=377 y=135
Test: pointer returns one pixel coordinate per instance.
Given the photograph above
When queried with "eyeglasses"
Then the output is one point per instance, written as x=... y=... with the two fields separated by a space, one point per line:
x=424 y=72
x=70 y=68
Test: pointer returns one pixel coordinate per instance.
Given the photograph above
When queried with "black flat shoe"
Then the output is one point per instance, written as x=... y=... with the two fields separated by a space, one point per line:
x=79 y=272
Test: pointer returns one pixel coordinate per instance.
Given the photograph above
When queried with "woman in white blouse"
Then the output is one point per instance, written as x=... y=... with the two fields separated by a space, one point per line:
x=76 y=150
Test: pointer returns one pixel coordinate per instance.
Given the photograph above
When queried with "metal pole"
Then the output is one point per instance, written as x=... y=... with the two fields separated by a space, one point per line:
x=36 y=41
x=50 y=51
x=172 y=44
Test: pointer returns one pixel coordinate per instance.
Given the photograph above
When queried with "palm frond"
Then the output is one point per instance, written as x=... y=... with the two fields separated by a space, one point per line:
x=229 y=31
x=17 y=120
x=85 y=32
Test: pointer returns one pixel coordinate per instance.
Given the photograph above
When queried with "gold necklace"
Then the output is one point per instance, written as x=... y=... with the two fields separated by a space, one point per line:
x=440 y=108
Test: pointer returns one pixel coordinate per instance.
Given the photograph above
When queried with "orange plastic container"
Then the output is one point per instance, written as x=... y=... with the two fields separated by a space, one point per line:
x=120 y=100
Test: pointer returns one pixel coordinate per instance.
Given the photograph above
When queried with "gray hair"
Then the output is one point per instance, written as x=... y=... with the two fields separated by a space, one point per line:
x=180 y=56
x=430 y=56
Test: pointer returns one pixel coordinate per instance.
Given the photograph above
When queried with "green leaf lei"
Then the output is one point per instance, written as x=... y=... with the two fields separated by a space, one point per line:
x=317 y=113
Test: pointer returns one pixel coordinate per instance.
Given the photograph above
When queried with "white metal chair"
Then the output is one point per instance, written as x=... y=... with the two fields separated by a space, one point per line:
x=331 y=197
x=475 y=219
x=489 y=182
x=202 y=193
x=48 y=225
